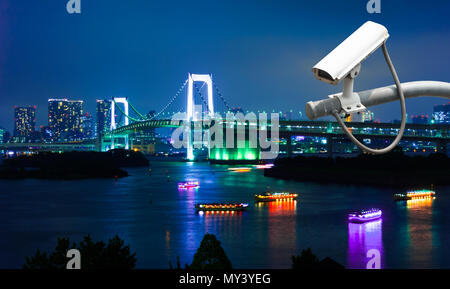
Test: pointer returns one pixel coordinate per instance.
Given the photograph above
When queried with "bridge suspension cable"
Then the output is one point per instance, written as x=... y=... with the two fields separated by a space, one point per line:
x=201 y=96
x=171 y=101
x=130 y=117
x=137 y=112
x=221 y=96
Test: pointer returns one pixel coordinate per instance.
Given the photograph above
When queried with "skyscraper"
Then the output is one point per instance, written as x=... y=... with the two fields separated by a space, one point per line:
x=419 y=119
x=64 y=119
x=2 y=134
x=87 y=125
x=103 y=114
x=24 y=122
x=441 y=113
x=367 y=116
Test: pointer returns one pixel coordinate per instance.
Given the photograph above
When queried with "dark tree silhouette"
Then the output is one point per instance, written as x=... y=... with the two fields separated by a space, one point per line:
x=306 y=260
x=94 y=255
x=210 y=255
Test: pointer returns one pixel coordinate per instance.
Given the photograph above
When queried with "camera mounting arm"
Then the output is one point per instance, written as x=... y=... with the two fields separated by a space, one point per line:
x=372 y=97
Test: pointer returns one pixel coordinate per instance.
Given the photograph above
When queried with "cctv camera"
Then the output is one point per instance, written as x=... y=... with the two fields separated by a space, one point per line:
x=344 y=62
x=340 y=62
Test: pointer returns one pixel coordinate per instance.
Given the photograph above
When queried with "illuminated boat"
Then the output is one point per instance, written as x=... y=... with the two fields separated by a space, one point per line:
x=188 y=185
x=265 y=166
x=415 y=195
x=240 y=169
x=271 y=197
x=221 y=207
x=364 y=216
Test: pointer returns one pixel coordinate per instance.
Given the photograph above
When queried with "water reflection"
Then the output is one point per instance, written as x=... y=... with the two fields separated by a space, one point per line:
x=279 y=207
x=226 y=222
x=420 y=236
x=281 y=228
x=419 y=203
x=361 y=239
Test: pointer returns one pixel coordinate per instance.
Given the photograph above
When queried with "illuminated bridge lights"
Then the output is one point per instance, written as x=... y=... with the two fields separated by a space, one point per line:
x=235 y=154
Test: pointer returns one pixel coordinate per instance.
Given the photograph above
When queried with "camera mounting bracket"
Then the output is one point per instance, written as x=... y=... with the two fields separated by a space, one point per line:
x=350 y=101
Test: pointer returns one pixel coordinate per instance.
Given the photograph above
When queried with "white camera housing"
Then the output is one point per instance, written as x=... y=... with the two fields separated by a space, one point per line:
x=344 y=62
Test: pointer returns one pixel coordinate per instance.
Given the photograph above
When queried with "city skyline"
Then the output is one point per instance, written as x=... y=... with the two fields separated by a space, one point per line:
x=88 y=126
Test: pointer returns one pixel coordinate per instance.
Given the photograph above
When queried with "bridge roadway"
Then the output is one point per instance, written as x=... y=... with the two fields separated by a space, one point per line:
x=85 y=145
x=323 y=128
x=437 y=133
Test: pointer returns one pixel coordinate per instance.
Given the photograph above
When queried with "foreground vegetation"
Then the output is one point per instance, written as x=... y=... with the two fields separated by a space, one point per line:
x=94 y=255
x=115 y=254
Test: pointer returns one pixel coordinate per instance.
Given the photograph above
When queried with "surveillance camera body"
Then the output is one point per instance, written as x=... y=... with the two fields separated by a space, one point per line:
x=340 y=62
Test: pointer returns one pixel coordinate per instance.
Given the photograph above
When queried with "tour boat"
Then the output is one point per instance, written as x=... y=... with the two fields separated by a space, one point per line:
x=221 y=207
x=415 y=195
x=271 y=197
x=364 y=215
x=265 y=166
x=188 y=185
x=240 y=169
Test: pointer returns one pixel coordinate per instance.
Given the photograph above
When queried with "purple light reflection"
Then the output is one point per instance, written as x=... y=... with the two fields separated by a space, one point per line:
x=362 y=238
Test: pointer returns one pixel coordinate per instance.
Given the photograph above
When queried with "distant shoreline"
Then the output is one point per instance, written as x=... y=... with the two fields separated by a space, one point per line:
x=395 y=170
x=72 y=165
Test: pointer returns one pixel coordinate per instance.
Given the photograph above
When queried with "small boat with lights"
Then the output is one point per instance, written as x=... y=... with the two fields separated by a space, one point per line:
x=272 y=197
x=363 y=216
x=415 y=195
x=221 y=207
x=240 y=169
x=188 y=185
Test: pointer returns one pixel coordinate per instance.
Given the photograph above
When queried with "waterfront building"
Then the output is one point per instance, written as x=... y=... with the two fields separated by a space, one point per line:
x=64 y=119
x=24 y=123
x=441 y=113
x=45 y=133
x=367 y=116
x=2 y=135
x=87 y=125
x=419 y=119
x=103 y=116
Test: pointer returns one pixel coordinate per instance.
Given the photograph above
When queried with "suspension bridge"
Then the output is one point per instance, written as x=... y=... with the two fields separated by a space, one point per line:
x=191 y=95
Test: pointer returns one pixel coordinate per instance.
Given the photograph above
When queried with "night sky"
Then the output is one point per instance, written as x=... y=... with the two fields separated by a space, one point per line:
x=259 y=52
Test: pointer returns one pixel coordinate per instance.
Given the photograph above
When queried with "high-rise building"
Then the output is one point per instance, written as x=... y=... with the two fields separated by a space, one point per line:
x=46 y=133
x=24 y=122
x=87 y=125
x=2 y=135
x=103 y=114
x=419 y=119
x=367 y=116
x=441 y=113
x=64 y=119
